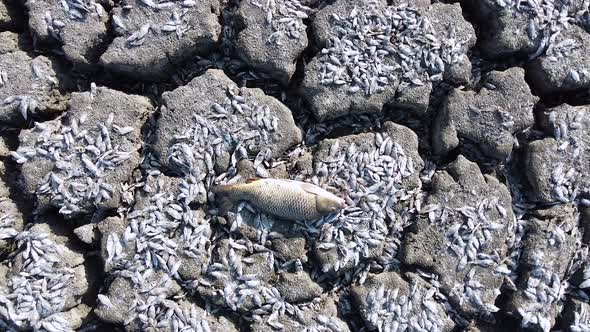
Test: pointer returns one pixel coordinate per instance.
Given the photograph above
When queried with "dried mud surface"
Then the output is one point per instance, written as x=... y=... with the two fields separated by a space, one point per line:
x=455 y=131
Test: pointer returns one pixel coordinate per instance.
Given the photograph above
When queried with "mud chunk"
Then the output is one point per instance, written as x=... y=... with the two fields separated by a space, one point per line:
x=232 y=124
x=369 y=171
x=298 y=287
x=489 y=117
x=62 y=159
x=386 y=300
x=47 y=276
x=548 y=248
x=80 y=28
x=27 y=86
x=320 y=314
x=153 y=37
x=357 y=72
x=462 y=236
x=272 y=38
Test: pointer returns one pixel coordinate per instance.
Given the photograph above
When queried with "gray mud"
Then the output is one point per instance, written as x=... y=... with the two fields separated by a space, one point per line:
x=454 y=130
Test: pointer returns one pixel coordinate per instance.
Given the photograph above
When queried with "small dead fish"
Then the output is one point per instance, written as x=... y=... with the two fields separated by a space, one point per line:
x=287 y=199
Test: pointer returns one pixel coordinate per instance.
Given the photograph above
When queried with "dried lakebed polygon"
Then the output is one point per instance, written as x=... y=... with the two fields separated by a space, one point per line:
x=47 y=279
x=27 y=86
x=553 y=34
x=211 y=124
x=490 y=117
x=379 y=175
x=78 y=161
x=388 y=303
x=461 y=236
x=151 y=251
x=558 y=164
x=372 y=54
x=424 y=244
x=11 y=219
x=153 y=36
x=272 y=35
x=78 y=27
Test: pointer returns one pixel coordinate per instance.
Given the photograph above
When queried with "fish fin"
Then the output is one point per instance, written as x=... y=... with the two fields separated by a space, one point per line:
x=313 y=189
x=225 y=204
x=223 y=193
x=250 y=180
x=307 y=187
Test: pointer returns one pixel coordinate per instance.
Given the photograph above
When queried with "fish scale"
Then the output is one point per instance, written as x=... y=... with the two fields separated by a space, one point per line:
x=284 y=202
x=286 y=199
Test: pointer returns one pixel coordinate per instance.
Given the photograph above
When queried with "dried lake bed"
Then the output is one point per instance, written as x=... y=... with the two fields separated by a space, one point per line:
x=454 y=130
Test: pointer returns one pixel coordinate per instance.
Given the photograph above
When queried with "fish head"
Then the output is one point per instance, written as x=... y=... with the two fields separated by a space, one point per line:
x=329 y=204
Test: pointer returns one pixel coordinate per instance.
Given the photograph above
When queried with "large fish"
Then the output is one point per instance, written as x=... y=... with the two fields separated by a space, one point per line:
x=287 y=199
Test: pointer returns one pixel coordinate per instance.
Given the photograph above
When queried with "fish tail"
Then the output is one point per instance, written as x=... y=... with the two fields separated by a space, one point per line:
x=226 y=194
x=225 y=204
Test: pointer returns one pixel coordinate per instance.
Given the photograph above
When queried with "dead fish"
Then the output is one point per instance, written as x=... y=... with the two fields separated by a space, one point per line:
x=287 y=199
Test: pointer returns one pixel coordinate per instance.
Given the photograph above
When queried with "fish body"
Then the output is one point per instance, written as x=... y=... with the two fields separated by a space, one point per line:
x=287 y=199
